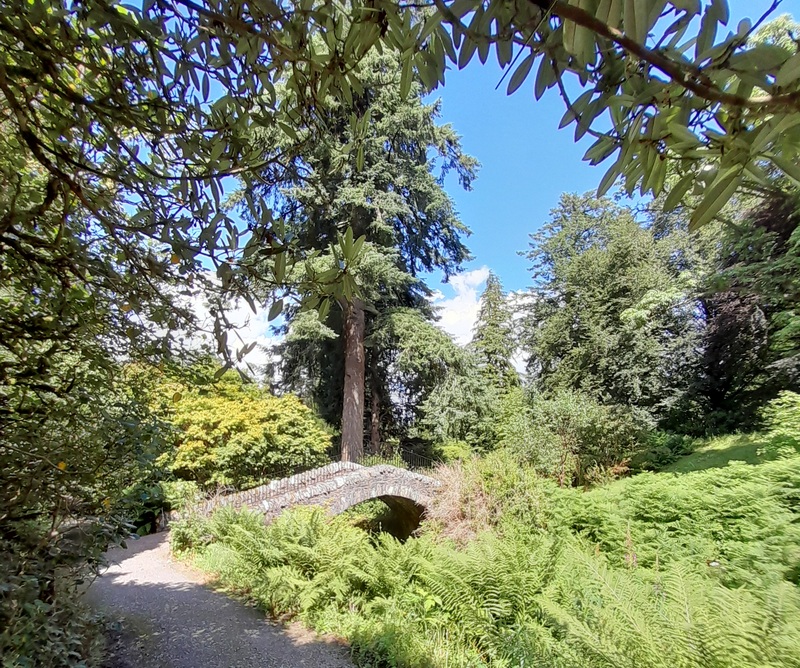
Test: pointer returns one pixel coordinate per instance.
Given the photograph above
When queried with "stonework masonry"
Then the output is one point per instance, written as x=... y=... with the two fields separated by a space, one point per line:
x=337 y=487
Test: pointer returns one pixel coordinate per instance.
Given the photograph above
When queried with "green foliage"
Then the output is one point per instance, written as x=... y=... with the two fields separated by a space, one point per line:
x=188 y=534
x=741 y=517
x=232 y=433
x=462 y=407
x=696 y=332
x=632 y=49
x=573 y=437
x=58 y=632
x=611 y=314
x=418 y=356
x=780 y=439
x=657 y=570
x=453 y=451
x=628 y=618
x=782 y=417
x=111 y=184
x=146 y=504
x=75 y=433
x=383 y=176
x=180 y=494
x=721 y=451
x=515 y=417
x=749 y=307
x=493 y=339
x=661 y=448
x=140 y=124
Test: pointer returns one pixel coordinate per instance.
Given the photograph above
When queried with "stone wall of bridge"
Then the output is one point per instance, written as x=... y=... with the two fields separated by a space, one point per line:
x=337 y=487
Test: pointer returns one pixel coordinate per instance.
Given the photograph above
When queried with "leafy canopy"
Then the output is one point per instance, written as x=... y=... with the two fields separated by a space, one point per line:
x=134 y=115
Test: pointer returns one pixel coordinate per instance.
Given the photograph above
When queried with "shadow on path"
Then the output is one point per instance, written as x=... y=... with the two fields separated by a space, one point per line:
x=169 y=619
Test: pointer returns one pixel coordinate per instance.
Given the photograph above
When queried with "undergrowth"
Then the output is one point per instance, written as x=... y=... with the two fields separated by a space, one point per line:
x=661 y=569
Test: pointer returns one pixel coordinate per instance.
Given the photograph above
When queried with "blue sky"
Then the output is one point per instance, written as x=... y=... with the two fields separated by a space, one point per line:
x=526 y=164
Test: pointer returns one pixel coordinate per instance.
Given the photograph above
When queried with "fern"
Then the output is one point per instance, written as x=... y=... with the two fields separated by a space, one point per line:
x=615 y=577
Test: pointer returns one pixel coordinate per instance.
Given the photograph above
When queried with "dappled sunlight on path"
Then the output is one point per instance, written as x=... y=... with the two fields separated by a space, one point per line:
x=169 y=619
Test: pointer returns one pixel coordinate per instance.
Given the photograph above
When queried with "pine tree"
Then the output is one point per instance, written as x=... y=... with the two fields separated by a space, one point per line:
x=613 y=313
x=493 y=337
x=381 y=176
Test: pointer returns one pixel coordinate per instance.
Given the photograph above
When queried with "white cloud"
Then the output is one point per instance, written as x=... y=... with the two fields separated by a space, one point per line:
x=459 y=312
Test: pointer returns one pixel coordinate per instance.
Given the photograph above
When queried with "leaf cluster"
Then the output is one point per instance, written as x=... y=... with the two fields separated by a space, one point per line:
x=232 y=433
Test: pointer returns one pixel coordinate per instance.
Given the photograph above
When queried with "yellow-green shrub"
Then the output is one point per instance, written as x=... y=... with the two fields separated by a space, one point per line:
x=230 y=433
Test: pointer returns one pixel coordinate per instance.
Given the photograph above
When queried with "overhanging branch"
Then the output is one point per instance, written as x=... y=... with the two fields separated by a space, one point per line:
x=690 y=77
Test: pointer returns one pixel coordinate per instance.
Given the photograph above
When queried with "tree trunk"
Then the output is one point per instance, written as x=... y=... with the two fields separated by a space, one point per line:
x=375 y=417
x=353 y=409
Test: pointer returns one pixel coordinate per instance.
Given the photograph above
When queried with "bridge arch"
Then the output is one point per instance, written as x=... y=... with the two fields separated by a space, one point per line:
x=406 y=494
x=337 y=487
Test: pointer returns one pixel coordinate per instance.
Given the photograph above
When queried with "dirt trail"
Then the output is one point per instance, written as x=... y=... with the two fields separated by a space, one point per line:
x=169 y=619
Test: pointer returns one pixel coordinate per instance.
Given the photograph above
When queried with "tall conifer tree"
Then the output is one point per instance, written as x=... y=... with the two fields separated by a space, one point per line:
x=382 y=176
x=493 y=338
x=612 y=313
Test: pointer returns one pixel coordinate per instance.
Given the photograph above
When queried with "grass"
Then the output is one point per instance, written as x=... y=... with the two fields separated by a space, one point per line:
x=721 y=451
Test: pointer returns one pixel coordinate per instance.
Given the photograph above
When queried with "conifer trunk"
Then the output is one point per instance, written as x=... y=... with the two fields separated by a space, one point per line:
x=354 y=377
x=375 y=416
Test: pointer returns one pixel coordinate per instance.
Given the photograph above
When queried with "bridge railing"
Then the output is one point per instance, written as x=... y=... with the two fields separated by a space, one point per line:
x=401 y=458
x=288 y=479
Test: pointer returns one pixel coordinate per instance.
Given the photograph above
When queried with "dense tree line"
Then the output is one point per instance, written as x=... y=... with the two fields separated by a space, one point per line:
x=696 y=333
x=633 y=325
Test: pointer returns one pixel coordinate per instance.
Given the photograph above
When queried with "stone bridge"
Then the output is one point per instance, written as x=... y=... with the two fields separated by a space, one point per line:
x=337 y=487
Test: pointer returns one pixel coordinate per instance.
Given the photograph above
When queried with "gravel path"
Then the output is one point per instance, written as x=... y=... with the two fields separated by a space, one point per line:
x=168 y=619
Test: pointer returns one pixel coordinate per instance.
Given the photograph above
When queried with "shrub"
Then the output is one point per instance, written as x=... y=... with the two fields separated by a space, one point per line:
x=782 y=418
x=453 y=450
x=574 y=438
x=661 y=449
x=45 y=628
x=180 y=494
x=189 y=533
x=75 y=433
x=461 y=407
x=235 y=434
x=515 y=420
x=740 y=517
x=462 y=508
x=43 y=621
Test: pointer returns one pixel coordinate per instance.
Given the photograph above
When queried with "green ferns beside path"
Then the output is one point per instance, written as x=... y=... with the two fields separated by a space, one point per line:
x=660 y=570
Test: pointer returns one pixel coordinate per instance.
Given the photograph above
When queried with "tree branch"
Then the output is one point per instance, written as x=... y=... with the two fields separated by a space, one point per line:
x=690 y=77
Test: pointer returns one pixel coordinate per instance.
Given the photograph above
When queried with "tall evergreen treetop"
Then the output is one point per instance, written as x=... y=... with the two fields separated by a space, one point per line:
x=493 y=337
x=382 y=174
